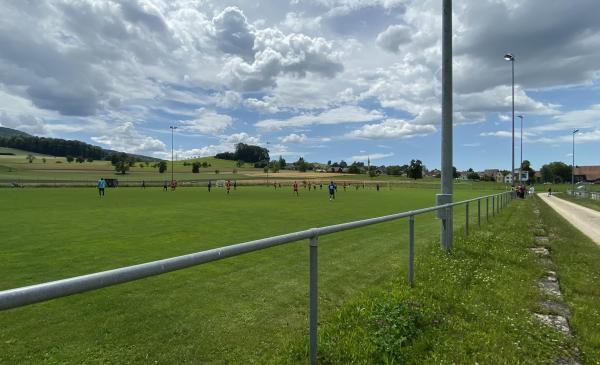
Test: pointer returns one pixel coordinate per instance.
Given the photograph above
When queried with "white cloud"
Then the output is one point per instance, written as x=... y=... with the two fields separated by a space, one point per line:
x=293 y=138
x=586 y=118
x=266 y=106
x=206 y=122
x=344 y=114
x=393 y=37
x=277 y=53
x=373 y=156
x=127 y=139
x=392 y=128
x=496 y=134
x=229 y=99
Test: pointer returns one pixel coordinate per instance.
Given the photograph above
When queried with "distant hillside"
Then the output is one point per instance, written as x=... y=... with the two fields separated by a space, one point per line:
x=9 y=132
x=13 y=138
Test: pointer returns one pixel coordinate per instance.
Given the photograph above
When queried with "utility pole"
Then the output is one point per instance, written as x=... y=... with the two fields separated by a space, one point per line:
x=172 y=132
x=445 y=197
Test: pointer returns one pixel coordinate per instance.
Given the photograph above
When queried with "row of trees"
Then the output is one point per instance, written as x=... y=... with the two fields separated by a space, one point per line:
x=257 y=155
x=54 y=146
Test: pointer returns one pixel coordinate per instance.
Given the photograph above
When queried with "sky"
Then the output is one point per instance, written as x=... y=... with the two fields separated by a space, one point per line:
x=327 y=80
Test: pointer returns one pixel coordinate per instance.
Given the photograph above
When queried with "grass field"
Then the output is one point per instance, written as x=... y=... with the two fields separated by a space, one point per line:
x=475 y=305
x=240 y=310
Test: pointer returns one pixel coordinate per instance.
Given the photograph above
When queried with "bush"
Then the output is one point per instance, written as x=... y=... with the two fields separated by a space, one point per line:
x=196 y=167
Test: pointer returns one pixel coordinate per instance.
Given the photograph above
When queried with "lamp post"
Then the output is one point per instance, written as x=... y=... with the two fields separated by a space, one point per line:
x=521 y=149
x=445 y=196
x=573 y=168
x=172 y=132
x=511 y=58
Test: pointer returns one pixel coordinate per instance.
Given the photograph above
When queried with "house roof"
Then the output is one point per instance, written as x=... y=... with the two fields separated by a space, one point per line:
x=591 y=173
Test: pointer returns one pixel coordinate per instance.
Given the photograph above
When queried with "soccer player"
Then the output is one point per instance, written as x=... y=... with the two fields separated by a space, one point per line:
x=295 y=186
x=234 y=184
x=101 y=186
x=228 y=186
x=331 y=191
x=173 y=185
x=165 y=185
x=209 y=185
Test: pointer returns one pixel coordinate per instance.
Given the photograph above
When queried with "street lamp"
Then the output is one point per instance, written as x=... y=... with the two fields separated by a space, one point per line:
x=573 y=168
x=521 y=149
x=511 y=58
x=172 y=132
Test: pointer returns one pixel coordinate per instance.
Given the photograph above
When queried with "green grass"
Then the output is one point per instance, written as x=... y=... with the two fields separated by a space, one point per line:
x=577 y=261
x=593 y=204
x=240 y=310
x=473 y=305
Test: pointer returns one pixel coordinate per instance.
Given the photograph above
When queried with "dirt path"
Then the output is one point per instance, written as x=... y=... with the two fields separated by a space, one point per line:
x=585 y=219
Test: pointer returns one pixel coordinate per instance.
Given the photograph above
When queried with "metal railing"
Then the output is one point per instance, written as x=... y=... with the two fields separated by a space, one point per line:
x=23 y=296
x=594 y=195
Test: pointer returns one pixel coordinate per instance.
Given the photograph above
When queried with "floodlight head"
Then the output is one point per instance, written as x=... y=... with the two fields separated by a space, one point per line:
x=509 y=57
x=520 y=116
x=575 y=131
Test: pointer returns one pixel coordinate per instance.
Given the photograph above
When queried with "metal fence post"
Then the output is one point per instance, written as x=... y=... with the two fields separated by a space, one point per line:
x=487 y=210
x=467 y=219
x=313 y=300
x=493 y=206
x=411 y=249
x=478 y=212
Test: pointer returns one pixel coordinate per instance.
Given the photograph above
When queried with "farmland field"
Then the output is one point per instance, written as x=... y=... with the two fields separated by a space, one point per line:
x=242 y=310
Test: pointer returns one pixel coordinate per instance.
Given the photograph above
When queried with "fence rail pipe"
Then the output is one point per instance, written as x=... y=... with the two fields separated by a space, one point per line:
x=411 y=250
x=313 y=299
x=18 y=297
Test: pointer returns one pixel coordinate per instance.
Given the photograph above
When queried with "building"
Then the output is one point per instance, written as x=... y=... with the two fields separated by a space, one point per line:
x=490 y=173
x=587 y=173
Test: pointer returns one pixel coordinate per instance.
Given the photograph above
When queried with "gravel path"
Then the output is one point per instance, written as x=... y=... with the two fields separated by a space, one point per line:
x=585 y=219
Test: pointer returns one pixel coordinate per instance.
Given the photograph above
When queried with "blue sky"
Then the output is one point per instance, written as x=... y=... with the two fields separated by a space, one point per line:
x=323 y=79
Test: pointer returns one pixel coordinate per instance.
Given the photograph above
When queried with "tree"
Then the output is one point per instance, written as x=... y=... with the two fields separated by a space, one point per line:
x=455 y=174
x=80 y=159
x=239 y=163
x=196 y=167
x=415 y=170
x=472 y=175
x=354 y=169
x=526 y=166
x=556 y=172
x=281 y=162
x=44 y=159
x=162 y=166
x=217 y=172
x=30 y=158
x=122 y=162
x=70 y=158
x=89 y=159
x=301 y=164
x=343 y=164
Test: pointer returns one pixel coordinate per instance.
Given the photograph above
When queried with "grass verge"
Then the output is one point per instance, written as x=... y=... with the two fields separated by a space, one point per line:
x=473 y=305
x=589 y=203
x=577 y=261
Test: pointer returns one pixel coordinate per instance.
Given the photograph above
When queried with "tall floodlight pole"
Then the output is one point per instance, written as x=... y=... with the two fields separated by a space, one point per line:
x=445 y=197
x=172 y=132
x=573 y=168
x=511 y=58
x=268 y=162
x=521 y=149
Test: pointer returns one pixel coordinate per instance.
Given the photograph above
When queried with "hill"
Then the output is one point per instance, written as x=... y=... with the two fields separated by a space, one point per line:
x=12 y=138
x=9 y=132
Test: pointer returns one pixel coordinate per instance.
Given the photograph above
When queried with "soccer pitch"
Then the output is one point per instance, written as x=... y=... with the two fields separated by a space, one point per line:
x=239 y=310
